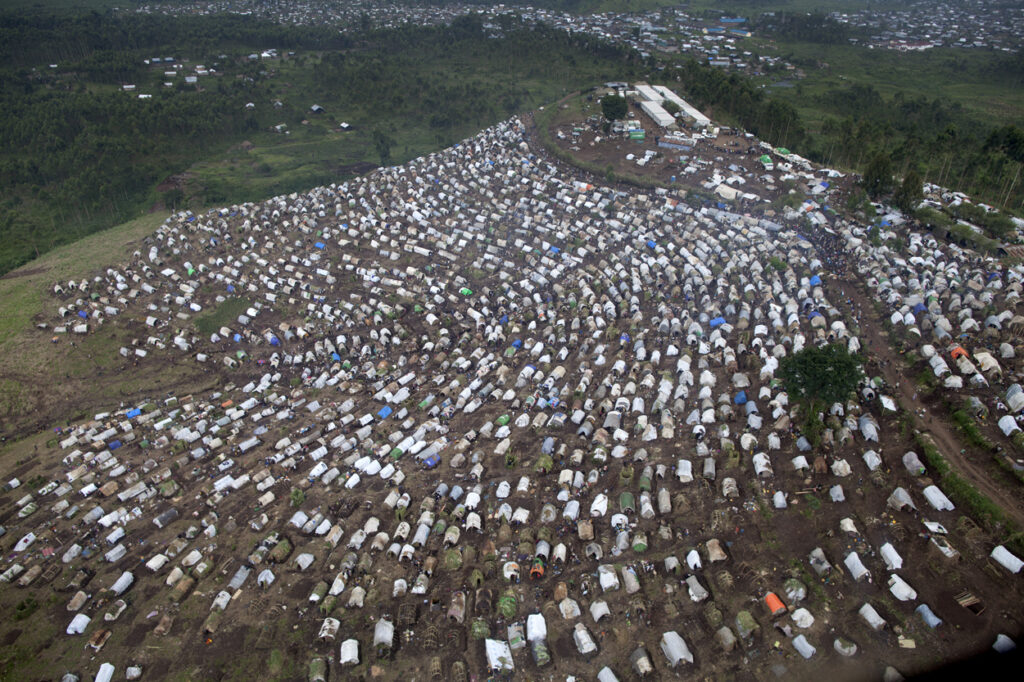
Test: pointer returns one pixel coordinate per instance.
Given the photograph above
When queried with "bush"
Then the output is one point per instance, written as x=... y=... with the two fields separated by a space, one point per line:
x=25 y=608
x=969 y=428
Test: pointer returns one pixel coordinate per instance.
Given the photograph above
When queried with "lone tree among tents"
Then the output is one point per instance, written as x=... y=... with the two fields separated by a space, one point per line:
x=815 y=378
x=614 y=107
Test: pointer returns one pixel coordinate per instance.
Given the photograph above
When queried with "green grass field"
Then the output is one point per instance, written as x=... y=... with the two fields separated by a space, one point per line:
x=955 y=76
x=48 y=378
x=23 y=293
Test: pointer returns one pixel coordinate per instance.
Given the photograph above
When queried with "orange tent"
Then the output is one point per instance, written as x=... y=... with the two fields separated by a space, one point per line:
x=958 y=352
x=774 y=604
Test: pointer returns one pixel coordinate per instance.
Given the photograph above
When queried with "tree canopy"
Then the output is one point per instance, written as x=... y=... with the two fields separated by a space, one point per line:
x=383 y=142
x=614 y=107
x=878 y=176
x=820 y=374
x=910 y=192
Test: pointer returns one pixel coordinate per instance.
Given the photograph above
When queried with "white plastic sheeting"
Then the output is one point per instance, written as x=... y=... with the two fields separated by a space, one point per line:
x=1007 y=559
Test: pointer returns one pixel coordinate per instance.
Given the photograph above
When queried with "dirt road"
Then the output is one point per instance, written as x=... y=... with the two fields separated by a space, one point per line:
x=891 y=366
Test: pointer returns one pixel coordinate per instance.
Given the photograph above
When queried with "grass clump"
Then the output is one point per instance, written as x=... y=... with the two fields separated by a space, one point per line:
x=223 y=315
x=969 y=430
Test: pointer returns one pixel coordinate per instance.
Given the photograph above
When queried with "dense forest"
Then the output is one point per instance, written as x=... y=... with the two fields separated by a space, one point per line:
x=733 y=98
x=491 y=76
x=937 y=140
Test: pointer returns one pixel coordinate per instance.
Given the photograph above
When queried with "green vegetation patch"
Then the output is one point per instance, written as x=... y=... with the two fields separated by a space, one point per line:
x=24 y=294
x=224 y=315
x=970 y=431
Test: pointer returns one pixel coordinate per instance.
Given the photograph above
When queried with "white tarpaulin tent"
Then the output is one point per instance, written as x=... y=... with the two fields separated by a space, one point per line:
x=856 y=567
x=78 y=624
x=1008 y=425
x=892 y=559
x=536 y=628
x=499 y=655
x=1007 y=559
x=937 y=499
x=900 y=589
x=349 y=652
x=870 y=615
x=675 y=649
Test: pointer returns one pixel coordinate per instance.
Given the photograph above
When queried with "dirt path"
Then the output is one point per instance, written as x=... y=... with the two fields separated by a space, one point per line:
x=890 y=365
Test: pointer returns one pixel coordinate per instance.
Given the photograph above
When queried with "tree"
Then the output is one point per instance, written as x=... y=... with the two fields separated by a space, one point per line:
x=174 y=198
x=671 y=107
x=878 y=176
x=297 y=497
x=383 y=142
x=910 y=192
x=815 y=378
x=614 y=107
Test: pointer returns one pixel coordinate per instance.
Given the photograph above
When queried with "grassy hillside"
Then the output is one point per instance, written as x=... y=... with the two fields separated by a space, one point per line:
x=52 y=382
x=79 y=153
